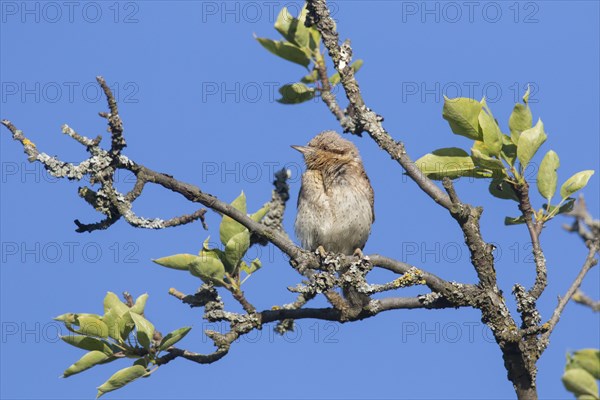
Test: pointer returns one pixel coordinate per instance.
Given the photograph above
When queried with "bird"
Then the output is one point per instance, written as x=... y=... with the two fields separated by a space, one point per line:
x=336 y=199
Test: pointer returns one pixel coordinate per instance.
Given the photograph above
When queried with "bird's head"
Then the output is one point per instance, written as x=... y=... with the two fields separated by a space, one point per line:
x=328 y=150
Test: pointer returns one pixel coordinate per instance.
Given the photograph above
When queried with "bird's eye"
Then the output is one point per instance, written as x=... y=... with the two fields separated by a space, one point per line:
x=335 y=151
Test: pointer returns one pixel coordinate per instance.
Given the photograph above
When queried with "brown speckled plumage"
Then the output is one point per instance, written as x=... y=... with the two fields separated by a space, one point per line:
x=335 y=204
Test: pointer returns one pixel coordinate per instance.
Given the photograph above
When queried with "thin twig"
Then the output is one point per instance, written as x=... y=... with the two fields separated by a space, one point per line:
x=115 y=125
x=330 y=100
x=459 y=293
x=590 y=261
x=581 y=298
x=535 y=229
x=241 y=298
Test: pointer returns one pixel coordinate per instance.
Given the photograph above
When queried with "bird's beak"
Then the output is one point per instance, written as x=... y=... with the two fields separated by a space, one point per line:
x=301 y=149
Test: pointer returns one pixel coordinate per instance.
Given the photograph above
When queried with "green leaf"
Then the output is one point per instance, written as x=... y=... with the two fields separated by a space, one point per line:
x=173 y=337
x=502 y=190
x=520 y=119
x=119 y=323
x=126 y=325
x=530 y=141
x=145 y=330
x=86 y=362
x=140 y=304
x=566 y=207
x=492 y=136
x=285 y=50
x=235 y=250
x=314 y=37
x=209 y=269
x=481 y=147
x=143 y=362
x=91 y=326
x=176 y=261
x=547 y=177
x=335 y=78
x=212 y=253
x=514 y=221
x=71 y=319
x=310 y=78
x=494 y=165
x=509 y=150
x=451 y=162
x=295 y=93
x=463 y=116
x=112 y=319
x=580 y=382
x=87 y=343
x=575 y=183
x=230 y=227
x=255 y=265
x=357 y=65
x=111 y=301
x=526 y=95
x=283 y=24
x=260 y=214
x=293 y=29
x=589 y=360
x=314 y=42
x=301 y=32
x=68 y=318
x=121 y=378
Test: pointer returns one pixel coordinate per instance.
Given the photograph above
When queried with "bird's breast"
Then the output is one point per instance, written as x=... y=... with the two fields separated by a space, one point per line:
x=337 y=216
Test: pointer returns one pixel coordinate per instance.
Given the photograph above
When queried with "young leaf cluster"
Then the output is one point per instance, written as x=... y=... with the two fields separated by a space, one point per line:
x=221 y=267
x=122 y=332
x=501 y=157
x=300 y=45
x=582 y=373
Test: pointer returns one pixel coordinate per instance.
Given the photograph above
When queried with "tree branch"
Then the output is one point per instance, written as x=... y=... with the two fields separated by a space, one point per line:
x=115 y=205
x=325 y=274
x=583 y=299
x=535 y=229
x=491 y=303
x=274 y=217
x=482 y=256
x=590 y=261
x=364 y=118
x=494 y=309
x=583 y=219
x=330 y=100
x=242 y=326
x=332 y=314
x=321 y=271
x=457 y=293
x=174 y=352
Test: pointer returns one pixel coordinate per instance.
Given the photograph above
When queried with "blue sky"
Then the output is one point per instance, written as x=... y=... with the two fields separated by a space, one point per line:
x=196 y=94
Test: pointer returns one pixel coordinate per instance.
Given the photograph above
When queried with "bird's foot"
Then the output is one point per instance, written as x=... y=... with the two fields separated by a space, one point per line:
x=358 y=253
x=320 y=251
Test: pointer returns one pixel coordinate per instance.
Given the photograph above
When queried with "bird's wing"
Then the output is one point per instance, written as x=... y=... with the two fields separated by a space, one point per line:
x=371 y=198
